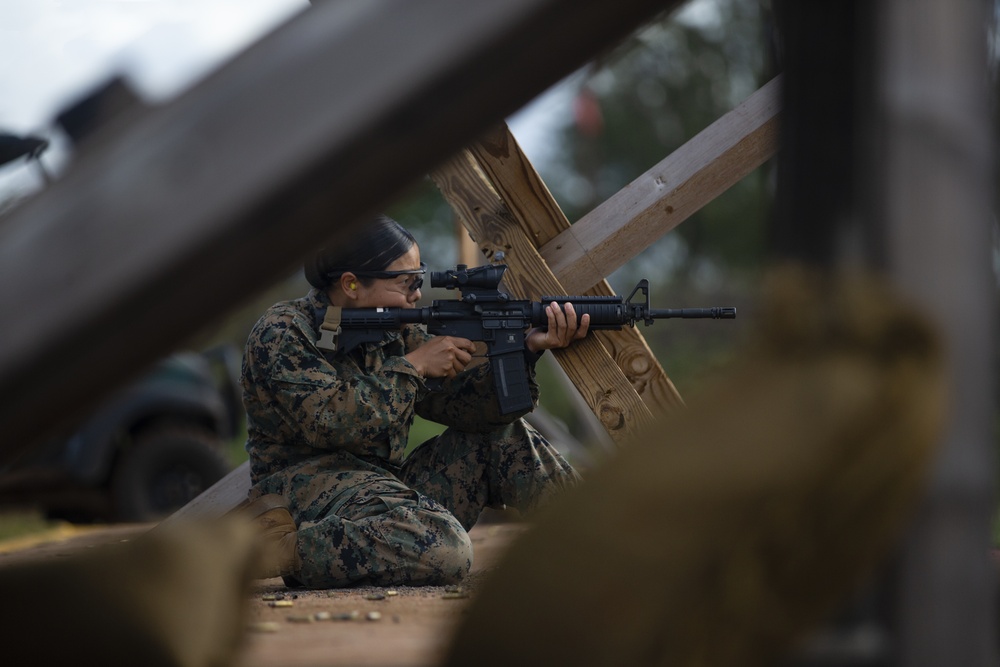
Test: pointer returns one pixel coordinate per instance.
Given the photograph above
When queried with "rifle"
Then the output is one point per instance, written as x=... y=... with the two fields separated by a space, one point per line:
x=485 y=313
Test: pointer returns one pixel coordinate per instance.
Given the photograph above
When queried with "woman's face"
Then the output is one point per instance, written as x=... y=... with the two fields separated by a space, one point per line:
x=392 y=292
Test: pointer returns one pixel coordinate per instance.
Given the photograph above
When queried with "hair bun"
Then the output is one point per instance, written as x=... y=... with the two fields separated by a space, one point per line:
x=316 y=277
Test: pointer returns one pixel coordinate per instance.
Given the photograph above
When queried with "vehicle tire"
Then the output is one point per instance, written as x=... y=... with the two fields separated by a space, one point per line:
x=163 y=470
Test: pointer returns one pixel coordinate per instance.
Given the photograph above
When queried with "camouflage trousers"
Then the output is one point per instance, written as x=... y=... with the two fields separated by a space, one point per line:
x=411 y=528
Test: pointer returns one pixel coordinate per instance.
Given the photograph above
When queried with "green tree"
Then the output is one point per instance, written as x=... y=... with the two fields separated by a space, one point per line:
x=636 y=104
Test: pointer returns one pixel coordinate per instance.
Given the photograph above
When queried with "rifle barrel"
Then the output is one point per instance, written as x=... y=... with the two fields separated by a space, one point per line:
x=715 y=313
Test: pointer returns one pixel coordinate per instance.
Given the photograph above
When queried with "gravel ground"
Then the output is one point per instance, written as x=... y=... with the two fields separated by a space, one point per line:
x=366 y=626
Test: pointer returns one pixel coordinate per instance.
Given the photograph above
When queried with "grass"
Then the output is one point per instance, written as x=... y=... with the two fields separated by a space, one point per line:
x=236 y=450
x=421 y=431
x=18 y=523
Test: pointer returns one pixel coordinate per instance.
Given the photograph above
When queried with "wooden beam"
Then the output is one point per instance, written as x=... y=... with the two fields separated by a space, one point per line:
x=703 y=168
x=603 y=386
x=217 y=500
x=539 y=217
x=174 y=217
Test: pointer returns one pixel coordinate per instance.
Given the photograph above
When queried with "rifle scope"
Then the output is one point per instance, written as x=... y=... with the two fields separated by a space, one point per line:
x=462 y=277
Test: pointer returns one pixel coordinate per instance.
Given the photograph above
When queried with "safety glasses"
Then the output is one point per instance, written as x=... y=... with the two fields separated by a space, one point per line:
x=413 y=286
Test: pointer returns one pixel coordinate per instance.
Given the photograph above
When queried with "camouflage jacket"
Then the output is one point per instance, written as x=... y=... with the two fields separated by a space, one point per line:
x=313 y=412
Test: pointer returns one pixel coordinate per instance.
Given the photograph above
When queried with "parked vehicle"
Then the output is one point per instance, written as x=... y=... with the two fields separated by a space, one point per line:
x=146 y=452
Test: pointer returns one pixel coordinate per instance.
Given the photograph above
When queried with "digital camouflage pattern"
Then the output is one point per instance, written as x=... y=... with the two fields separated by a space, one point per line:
x=328 y=432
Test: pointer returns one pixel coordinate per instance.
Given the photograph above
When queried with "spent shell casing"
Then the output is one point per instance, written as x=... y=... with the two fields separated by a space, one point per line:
x=346 y=616
x=263 y=626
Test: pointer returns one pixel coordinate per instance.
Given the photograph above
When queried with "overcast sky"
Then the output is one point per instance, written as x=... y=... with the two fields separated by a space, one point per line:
x=52 y=51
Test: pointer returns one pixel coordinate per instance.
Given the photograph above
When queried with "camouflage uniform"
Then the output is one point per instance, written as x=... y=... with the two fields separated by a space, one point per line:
x=328 y=432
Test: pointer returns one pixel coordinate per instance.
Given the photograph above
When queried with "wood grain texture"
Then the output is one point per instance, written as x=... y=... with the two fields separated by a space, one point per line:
x=604 y=387
x=539 y=217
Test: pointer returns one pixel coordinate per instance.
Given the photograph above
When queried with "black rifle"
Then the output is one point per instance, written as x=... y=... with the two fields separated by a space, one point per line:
x=484 y=313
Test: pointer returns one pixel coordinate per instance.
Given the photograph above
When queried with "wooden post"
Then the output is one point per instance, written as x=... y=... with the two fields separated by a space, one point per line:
x=595 y=374
x=936 y=189
x=889 y=153
x=540 y=219
x=581 y=254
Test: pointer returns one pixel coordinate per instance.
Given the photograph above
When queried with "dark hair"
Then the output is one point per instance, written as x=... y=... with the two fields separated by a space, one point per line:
x=379 y=242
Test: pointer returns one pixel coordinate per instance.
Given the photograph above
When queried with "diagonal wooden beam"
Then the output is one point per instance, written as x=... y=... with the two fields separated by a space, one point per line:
x=539 y=217
x=601 y=382
x=169 y=220
x=699 y=171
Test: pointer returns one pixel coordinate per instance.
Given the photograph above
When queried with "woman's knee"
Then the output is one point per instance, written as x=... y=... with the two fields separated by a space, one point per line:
x=443 y=554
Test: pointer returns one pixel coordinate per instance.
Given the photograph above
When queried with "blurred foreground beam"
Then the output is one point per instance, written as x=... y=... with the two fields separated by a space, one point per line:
x=696 y=173
x=174 y=217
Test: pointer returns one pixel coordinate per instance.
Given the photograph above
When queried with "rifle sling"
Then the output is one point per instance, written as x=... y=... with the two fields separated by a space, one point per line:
x=329 y=330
